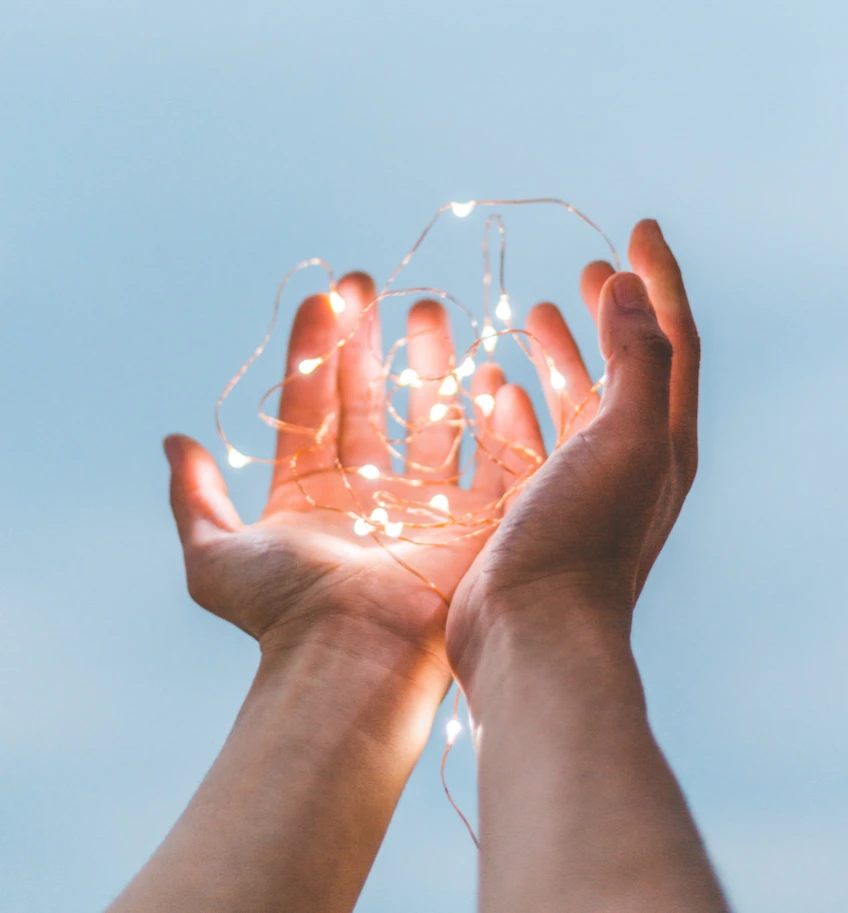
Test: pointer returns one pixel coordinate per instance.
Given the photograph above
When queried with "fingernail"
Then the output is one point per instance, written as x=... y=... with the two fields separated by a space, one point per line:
x=656 y=228
x=630 y=293
x=171 y=447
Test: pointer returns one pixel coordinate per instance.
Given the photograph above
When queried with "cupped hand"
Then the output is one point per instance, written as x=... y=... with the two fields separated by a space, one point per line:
x=282 y=578
x=588 y=527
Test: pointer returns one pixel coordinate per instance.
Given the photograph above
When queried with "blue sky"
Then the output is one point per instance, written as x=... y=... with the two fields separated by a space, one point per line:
x=162 y=165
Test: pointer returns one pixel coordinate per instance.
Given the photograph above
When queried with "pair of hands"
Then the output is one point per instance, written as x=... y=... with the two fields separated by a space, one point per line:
x=586 y=530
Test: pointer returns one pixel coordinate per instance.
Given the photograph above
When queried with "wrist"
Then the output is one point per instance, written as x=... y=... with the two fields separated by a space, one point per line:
x=354 y=676
x=532 y=645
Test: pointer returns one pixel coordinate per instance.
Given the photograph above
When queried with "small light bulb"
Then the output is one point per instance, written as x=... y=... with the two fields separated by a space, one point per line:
x=438 y=412
x=237 y=460
x=449 y=386
x=454 y=728
x=440 y=502
x=557 y=380
x=485 y=403
x=369 y=471
x=603 y=381
x=308 y=365
x=461 y=210
x=379 y=515
x=337 y=303
x=503 y=311
x=490 y=338
x=409 y=378
x=466 y=369
x=362 y=527
x=393 y=530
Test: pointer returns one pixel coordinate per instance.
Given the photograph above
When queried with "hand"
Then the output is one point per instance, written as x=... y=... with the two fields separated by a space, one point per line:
x=301 y=571
x=590 y=524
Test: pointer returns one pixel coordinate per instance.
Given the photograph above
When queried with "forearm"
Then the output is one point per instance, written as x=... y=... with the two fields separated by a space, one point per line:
x=292 y=813
x=578 y=809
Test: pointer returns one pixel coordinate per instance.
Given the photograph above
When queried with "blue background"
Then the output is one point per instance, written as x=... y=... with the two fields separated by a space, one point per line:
x=162 y=165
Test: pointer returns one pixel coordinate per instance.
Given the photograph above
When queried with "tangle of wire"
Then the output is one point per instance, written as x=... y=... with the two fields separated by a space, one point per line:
x=388 y=519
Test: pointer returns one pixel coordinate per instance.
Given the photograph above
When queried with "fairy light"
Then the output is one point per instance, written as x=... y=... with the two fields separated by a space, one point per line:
x=409 y=378
x=440 y=502
x=337 y=303
x=449 y=386
x=369 y=471
x=416 y=522
x=236 y=459
x=557 y=380
x=485 y=403
x=503 y=311
x=461 y=210
x=308 y=365
x=466 y=369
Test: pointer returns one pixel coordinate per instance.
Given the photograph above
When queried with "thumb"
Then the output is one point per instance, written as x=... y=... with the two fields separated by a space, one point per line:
x=199 y=500
x=637 y=352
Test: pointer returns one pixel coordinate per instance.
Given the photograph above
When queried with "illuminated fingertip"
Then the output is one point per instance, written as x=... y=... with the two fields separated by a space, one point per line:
x=308 y=365
x=440 y=502
x=485 y=403
x=337 y=303
x=369 y=471
x=449 y=386
x=503 y=311
x=438 y=412
x=461 y=210
x=237 y=460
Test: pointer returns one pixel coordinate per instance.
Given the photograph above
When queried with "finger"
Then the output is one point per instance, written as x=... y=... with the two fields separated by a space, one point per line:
x=430 y=353
x=516 y=425
x=638 y=356
x=199 y=500
x=361 y=391
x=592 y=281
x=653 y=260
x=566 y=382
x=488 y=475
x=307 y=399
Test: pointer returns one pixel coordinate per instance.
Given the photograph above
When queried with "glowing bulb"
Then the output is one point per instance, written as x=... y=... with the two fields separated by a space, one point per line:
x=557 y=380
x=454 y=728
x=409 y=378
x=461 y=210
x=449 y=386
x=337 y=303
x=369 y=471
x=440 y=502
x=503 y=311
x=393 y=530
x=308 y=365
x=237 y=460
x=380 y=516
x=603 y=381
x=362 y=527
x=438 y=412
x=485 y=403
x=466 y=369
x=490 y=338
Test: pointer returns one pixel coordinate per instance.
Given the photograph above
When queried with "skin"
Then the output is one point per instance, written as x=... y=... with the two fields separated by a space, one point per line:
x=578 y=809
x=355 y=657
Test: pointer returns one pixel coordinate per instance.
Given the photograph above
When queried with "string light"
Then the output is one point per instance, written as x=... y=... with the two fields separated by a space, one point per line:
x=396 y=519
x=503 y=311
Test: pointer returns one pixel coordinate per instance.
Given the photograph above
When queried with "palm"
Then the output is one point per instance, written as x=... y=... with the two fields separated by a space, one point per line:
x=303 y=554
